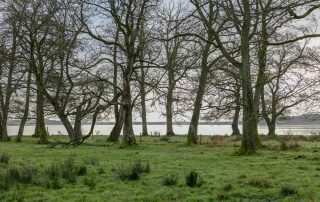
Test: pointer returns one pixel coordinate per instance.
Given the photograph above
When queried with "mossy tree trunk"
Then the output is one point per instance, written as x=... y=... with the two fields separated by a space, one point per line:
x=248 y=144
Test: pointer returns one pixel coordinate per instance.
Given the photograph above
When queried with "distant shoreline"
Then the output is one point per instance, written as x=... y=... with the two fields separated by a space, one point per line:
x=175 y=123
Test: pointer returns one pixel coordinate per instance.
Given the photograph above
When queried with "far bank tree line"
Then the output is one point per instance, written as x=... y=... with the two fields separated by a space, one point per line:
x=84 y=60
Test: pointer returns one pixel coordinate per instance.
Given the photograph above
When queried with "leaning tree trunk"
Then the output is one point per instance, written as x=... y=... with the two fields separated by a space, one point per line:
x=26 y=109
x=68 y=126
x=118 y=113
x=169 y=103
x=193 y=127
x=116 y=130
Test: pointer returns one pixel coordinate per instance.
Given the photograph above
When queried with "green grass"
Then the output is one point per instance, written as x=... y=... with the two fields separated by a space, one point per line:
x=269 y=175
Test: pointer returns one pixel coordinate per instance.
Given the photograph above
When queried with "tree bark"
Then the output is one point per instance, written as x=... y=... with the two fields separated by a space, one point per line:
x=272 y=128
x=169 y=103
x=116 y=130
x=143 y=104
x=41 y=130
x=235 y=122
x=128 y=134
x=248 y=144
x=193 y=127
x=26 y=109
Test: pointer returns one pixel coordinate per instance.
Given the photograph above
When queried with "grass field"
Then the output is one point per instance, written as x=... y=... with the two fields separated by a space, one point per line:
x=273 y=174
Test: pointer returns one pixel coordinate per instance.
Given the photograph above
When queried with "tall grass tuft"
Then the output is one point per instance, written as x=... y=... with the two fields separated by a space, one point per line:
x=132 y=171
x=193 y=179
x=4 y=158
x=259 y=182
x=170 y=180
x=287 y=190
x=27 y=174
x=289 y=142
x=90 y=180
x=69 y=170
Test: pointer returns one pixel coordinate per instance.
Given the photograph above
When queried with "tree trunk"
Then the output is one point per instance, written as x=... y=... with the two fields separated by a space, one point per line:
x=118 y=113
x=143 y=104
x=169 y=103
x=0 y=127
x=272 y=128
x=235 y=122
x=193 y=127
x=77 y=124
x=68 y=126
x=248 y=144
x=128 y=134
x=4 y=131
x=26 y=109
x=41 y=130
x=116 y=130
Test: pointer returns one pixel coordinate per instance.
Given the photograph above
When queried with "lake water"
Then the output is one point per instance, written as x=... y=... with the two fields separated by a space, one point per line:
x=179 y=129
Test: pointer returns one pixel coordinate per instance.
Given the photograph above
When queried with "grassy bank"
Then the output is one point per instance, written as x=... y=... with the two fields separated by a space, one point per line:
x=95 y=171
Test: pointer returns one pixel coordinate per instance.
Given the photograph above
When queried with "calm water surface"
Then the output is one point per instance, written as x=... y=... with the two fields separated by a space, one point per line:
x=179 y=129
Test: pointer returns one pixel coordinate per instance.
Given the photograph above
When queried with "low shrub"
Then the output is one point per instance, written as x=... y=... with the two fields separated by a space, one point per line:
x=4 y=158
x=193 y=179
x=287 y=190
x=170 y=180
x=259 y=182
